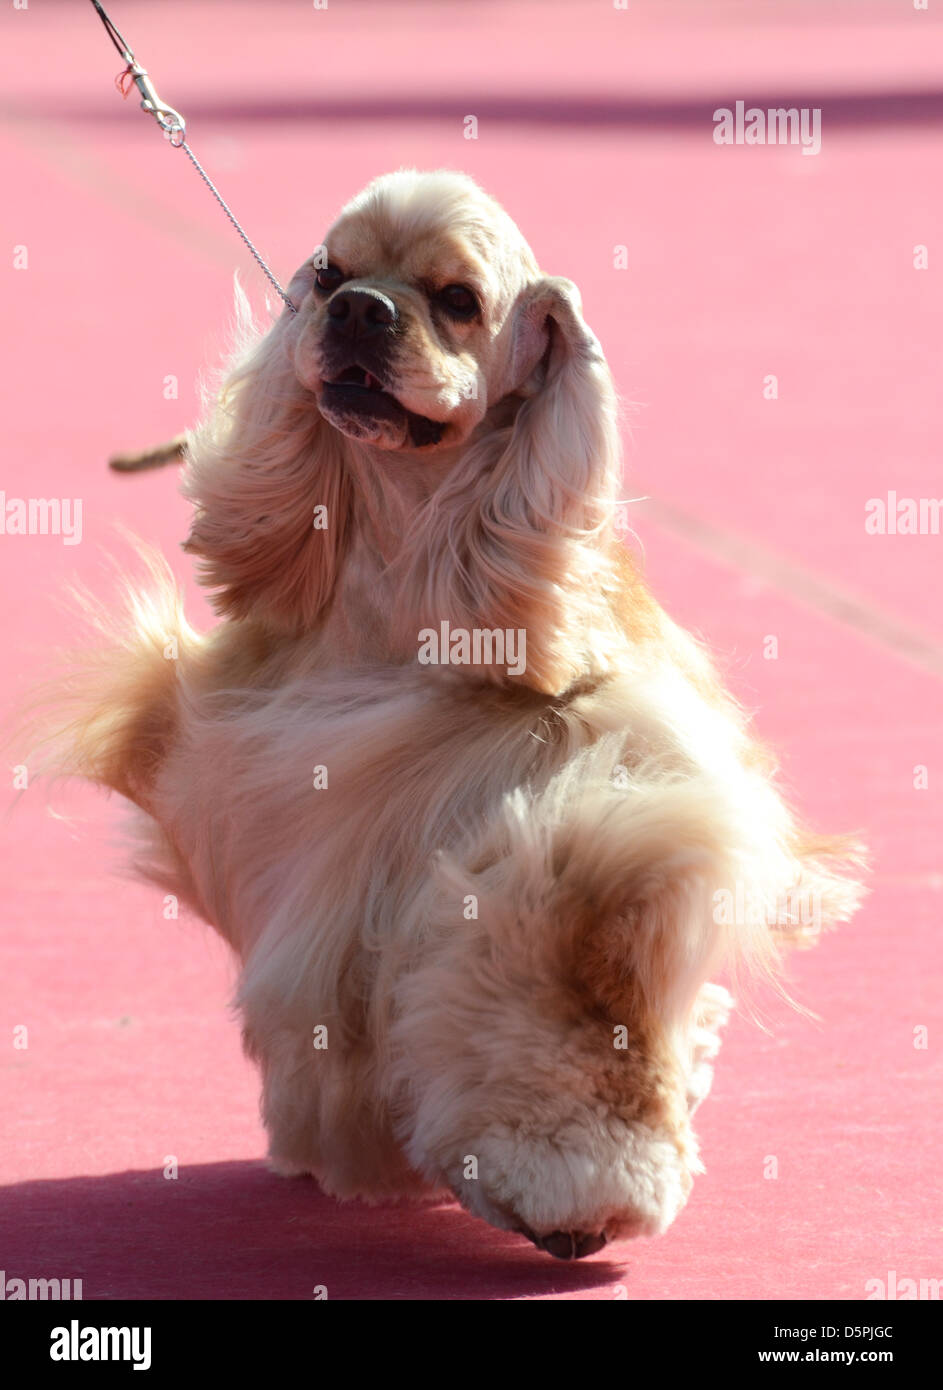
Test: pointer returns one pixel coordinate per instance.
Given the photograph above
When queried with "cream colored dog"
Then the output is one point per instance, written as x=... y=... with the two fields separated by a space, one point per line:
x=475 y=899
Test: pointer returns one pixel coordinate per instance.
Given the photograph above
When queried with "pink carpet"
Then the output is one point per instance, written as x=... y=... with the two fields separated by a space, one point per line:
x=595 y=131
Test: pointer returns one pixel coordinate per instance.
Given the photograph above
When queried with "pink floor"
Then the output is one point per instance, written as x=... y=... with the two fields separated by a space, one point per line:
x=595 y=130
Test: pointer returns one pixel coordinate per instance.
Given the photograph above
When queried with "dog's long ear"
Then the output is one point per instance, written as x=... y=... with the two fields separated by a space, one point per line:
x=520 y=535
x=267 y=477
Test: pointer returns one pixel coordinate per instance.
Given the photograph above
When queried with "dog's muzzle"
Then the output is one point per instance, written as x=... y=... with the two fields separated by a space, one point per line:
x=363 y=326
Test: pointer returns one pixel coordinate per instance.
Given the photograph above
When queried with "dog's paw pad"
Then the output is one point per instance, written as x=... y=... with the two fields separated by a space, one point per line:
x=568 y=1245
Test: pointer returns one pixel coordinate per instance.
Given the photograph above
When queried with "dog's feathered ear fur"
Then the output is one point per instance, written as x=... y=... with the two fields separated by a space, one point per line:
x=517 y=535
x=258 y=468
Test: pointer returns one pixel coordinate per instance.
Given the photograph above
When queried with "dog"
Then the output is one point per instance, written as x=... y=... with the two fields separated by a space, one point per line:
x=474 y=900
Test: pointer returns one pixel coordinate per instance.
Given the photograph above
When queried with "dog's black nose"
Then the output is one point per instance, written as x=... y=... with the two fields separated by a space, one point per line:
x=362 y=313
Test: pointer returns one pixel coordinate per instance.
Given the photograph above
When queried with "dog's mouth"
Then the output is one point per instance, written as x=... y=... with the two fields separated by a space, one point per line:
x=356 y=399
x=359 y=379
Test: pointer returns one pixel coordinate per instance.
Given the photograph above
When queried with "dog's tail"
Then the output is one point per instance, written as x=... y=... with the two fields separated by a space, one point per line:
x=108 y=713
x=158 y=456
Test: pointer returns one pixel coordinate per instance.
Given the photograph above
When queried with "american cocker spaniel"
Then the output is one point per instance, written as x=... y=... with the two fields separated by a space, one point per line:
x=477 y=817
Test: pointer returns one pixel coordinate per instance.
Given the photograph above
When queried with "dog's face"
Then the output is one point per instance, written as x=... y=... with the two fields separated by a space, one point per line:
x=426 y=335
x=410 y=313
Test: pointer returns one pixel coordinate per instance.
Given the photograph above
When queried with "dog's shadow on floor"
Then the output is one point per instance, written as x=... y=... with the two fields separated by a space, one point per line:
x=236 y=1231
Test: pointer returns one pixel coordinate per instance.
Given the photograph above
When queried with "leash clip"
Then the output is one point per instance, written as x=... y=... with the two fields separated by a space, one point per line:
x=170 y=121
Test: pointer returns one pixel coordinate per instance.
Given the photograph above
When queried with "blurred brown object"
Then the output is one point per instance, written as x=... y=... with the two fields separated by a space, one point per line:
x=171 y=451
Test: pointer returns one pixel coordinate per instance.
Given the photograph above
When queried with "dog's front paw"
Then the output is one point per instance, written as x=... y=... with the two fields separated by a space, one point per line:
x=579 y=1185
x=711 y=1012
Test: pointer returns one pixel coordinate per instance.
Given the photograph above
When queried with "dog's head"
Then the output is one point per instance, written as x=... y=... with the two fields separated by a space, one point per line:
x=415 y=316
x=446 y=407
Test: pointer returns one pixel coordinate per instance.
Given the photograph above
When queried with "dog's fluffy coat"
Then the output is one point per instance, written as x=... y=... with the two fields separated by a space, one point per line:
x=502 y=904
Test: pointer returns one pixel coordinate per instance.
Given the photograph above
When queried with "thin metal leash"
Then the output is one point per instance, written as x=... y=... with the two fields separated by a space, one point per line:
x=174 y=127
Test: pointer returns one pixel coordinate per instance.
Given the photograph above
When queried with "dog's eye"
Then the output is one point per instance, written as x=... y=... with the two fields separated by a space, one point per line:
x=328 y=278
x=459 y=301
